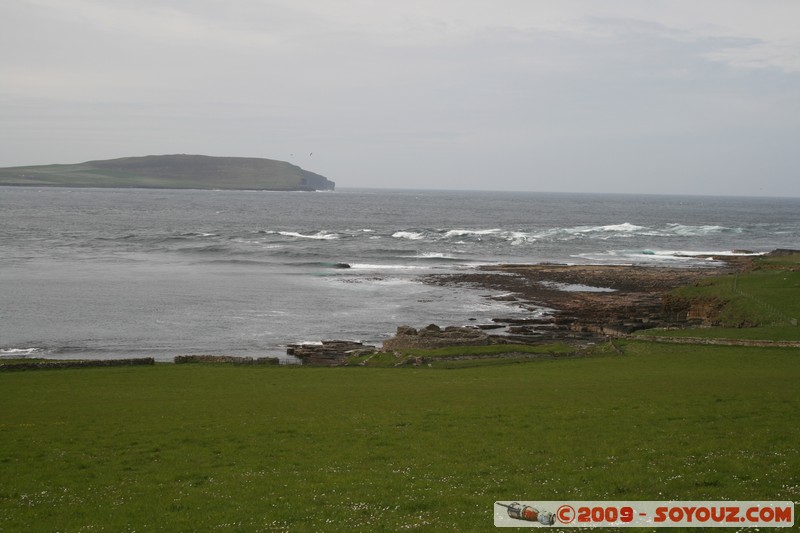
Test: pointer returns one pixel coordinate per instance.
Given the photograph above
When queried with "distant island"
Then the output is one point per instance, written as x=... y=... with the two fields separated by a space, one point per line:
x=171 y=172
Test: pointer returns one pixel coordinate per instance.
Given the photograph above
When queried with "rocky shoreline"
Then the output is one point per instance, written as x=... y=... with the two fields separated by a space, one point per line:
x=575 y=302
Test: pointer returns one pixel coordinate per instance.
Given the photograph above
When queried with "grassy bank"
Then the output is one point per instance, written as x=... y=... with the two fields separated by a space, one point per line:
x=761 y=303
x=231 y=448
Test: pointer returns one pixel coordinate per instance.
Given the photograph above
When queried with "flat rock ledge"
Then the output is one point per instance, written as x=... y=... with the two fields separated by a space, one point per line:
x=328 y=353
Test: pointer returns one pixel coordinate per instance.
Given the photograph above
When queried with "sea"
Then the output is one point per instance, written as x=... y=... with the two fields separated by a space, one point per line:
x=121 y=273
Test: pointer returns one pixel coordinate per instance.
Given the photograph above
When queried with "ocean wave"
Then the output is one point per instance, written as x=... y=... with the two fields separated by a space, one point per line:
x=624 y=227
x=320 y=235
x=242 y=262
x=695 y=231
x=256 y=243
x=375 y=266
x=715 y=253
x=320 y=264
x=436 y=255
x=199 y=234
x=627 y=230
x=429 y=244
x=519 y=237
x=159 y=238
x=470 y=232
x=19 y=352
x=660 y=256
x=179 y=237
x=208 y=249
x=410 y=235
x=512 y=236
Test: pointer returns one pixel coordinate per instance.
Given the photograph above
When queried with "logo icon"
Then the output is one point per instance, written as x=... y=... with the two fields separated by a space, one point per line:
x=529 y=514
x=565 y=514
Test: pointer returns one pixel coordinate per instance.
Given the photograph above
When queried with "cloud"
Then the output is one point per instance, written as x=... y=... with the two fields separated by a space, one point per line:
x=751 y=54
x=164 y=22
x=442 y=91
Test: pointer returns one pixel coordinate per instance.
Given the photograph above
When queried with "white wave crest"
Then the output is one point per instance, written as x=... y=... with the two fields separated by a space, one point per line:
x=728 y=253
x=199 y=234
x=15 y=352
x=320 y=235
x=368 y=266
x=692 y=231
x=659 y=256
x=410 y=235
x=434 y=255
x=467 y=232
x=518 y=237
x=624 y=227
x=513 y=237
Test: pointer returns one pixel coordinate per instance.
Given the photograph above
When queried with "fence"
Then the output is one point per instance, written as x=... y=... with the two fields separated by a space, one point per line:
x=784 y=318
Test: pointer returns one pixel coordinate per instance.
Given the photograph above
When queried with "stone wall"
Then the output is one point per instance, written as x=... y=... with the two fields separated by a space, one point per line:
x=40 y=365
x=182 y=359
x=717 y=342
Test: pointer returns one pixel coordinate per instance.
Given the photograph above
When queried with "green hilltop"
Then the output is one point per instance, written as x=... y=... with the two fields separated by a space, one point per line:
x=171 y=172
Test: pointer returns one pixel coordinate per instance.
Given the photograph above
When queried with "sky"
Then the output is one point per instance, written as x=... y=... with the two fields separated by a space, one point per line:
x=645 y=96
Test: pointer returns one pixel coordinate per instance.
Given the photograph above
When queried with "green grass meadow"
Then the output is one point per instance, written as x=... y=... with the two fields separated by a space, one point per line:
x=205 y=447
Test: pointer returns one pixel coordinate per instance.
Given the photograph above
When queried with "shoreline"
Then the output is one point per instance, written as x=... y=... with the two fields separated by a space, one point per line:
x=577 y=304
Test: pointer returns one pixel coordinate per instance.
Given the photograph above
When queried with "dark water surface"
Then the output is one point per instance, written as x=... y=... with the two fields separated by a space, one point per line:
x=132 y=272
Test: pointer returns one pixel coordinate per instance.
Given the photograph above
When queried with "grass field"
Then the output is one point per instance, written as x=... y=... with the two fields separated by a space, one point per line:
x=231 y=448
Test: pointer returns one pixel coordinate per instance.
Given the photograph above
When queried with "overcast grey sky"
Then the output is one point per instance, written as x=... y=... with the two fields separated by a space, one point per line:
x=680 y=96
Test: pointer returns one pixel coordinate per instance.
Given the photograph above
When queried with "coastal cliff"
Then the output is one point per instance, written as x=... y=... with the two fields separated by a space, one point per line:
x=172 y=172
